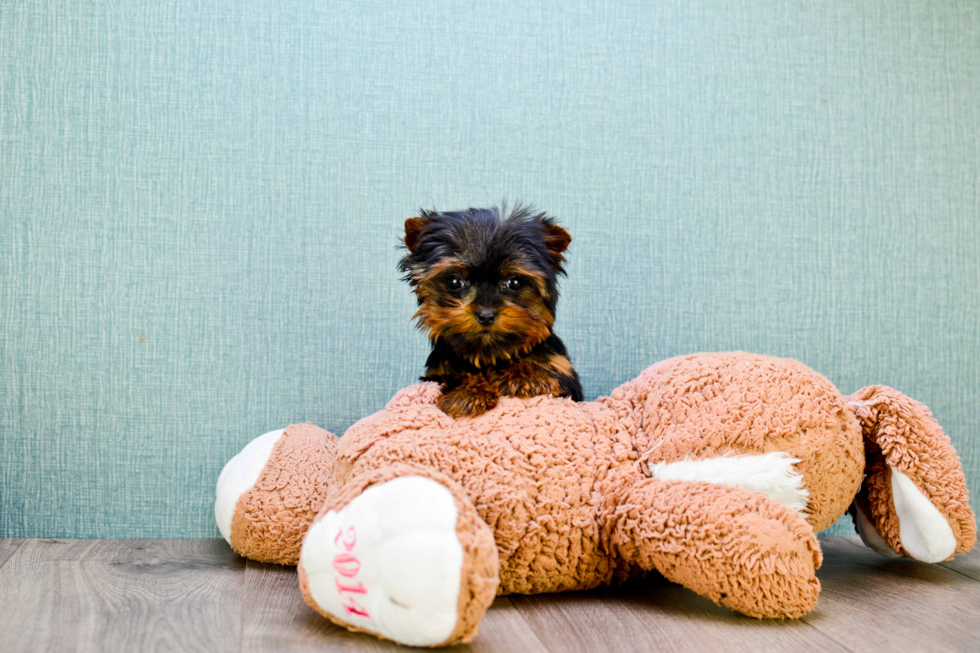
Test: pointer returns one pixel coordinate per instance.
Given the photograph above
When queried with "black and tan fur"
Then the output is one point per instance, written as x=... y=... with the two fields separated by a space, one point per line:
x=487 y=287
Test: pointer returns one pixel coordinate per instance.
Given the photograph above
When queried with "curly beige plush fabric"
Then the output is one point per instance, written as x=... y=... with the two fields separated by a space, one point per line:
x=716 y=470
x=271 y=518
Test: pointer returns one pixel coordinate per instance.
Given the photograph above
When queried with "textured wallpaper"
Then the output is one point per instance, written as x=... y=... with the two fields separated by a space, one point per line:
x=200 y=202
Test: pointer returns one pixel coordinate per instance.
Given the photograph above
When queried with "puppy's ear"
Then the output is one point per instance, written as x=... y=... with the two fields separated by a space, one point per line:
x=556 y=238
x=413 y=231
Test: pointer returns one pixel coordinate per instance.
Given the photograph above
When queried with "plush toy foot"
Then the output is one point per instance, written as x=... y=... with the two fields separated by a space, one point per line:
x=914 y=499
x=407 y=559
x=738 y=548
x=270 y=492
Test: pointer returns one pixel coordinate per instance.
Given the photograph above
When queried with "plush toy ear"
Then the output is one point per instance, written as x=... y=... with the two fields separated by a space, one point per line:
x=556 y=238
x=413 y=231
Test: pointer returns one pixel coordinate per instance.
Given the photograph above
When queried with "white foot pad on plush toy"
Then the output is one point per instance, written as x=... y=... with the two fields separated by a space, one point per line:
x=389 y=561
x=239 y=475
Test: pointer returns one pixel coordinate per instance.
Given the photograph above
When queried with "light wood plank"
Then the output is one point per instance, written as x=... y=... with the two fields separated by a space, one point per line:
x=653 y=614
x=504 y=628
x=91 y=595
x=275 y=618
x=967 y=563
x=121 y=595
x=7 y=548
x=871 y=603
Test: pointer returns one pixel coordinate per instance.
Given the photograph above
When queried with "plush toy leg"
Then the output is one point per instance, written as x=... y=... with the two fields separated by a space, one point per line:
x=914 y=499
x=738 y=548
x=401 y=553
x=269 y=493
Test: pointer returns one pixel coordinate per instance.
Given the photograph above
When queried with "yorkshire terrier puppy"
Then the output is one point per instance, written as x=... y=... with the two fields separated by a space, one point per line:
x=487 y=286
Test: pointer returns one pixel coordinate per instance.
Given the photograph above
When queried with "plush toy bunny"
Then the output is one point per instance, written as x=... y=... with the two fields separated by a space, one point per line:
x=716 y=470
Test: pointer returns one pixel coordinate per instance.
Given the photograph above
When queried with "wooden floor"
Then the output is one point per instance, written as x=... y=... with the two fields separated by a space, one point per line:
x=196 y=595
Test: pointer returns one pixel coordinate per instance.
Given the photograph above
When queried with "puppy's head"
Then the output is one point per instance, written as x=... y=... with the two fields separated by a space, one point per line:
x=487 y=284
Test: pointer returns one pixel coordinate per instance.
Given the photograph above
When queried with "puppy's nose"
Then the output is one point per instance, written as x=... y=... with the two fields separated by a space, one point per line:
x=486 y=316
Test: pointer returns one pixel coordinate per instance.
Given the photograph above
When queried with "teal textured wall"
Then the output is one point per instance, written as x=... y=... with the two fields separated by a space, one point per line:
x=199 y=205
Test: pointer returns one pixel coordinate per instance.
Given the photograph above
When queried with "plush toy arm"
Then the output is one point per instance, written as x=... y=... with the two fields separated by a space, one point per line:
x=426 y=392
x=914 y=499
x=738 y=548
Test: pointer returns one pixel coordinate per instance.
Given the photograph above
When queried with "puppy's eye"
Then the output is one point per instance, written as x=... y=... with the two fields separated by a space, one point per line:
x=454 y=283
x=513 y=284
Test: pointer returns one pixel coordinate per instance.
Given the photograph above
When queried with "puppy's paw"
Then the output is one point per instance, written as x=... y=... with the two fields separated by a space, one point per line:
x=467 y=402
x=524 y=380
